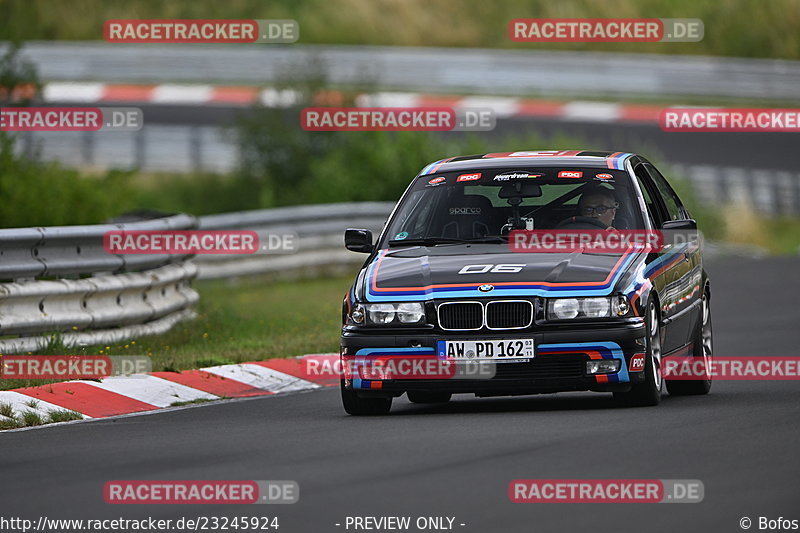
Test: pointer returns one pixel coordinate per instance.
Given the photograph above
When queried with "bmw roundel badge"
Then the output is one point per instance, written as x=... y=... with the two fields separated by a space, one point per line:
x=486 y=288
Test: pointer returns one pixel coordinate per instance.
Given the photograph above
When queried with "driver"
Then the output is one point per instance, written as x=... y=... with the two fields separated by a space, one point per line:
x=599 y=202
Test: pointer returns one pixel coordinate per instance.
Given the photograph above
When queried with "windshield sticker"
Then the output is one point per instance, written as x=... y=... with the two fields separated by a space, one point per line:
x=516 y=176
x=604 y=176
x=469 y=177
x=436 y=181
x=400 y=236
x=570 y=174
x=465 y=210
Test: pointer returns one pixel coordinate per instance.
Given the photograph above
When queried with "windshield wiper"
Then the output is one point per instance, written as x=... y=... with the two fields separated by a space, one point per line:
x=490 y=239
x=433 y=241
x=427 y=241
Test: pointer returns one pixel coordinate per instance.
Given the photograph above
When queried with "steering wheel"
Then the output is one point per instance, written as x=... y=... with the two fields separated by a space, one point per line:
x=580 y=222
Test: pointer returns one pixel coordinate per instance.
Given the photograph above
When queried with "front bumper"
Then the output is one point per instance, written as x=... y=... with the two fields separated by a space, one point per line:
x=559 y=364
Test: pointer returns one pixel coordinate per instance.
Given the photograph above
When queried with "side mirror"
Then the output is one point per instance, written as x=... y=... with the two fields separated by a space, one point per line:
x=358 y=240
x=688 y=223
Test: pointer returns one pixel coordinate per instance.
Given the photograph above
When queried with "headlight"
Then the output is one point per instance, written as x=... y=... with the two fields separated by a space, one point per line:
x=567 y=308
x=596 y=307
x=358 y=314
x=400 y=313
x=564 y=308
x=380 y=313
x=410 y=312
x=620 y=305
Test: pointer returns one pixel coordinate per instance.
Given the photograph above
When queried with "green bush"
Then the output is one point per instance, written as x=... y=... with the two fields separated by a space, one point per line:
x=47 y=194
x=198 y=194
x=299 y=167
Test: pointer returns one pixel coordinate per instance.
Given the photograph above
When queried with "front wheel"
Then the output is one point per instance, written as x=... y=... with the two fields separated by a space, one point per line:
x=649 y=392
x=353 y=405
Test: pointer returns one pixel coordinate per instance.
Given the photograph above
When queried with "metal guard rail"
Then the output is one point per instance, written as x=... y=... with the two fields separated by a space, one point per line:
x=61 y=281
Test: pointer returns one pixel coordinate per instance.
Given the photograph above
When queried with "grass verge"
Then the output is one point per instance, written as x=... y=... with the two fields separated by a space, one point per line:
x=734 y=27
x=252 y=320
x=192 y=402
x=10 y=419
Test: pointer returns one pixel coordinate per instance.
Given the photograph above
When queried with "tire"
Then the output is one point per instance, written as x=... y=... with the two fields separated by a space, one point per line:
x=353 y=405
x=428 y=397
x=703 y=347
x=647 y=393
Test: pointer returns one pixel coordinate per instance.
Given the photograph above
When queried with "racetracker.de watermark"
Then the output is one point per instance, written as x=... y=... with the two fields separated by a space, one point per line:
x=727 y=120
x=201 y=31
x=606 y=491
x=214 y=492
x=72 y=366
x=604 y=241
x=396 y=119
x=235 y=242
x=71 y=119
x=400 y=367
x=606 y=30
x=731 y=368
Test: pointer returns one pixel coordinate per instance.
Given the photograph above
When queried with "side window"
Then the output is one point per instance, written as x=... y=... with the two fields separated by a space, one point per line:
x=644 y=184
x=671 y=201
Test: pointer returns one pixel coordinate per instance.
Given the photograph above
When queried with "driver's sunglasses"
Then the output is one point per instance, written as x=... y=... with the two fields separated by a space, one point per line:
x=600 y=209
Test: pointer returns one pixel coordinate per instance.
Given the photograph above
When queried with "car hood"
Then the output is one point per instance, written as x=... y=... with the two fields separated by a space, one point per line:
x=480 y=271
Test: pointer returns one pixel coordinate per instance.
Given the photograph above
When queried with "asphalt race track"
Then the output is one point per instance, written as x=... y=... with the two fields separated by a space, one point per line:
x=457 y=460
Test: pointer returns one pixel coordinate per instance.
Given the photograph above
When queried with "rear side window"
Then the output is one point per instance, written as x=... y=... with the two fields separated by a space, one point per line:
x=671 y=201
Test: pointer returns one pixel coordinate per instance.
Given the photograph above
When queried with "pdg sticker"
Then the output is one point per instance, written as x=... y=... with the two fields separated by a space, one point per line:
x=570 y=174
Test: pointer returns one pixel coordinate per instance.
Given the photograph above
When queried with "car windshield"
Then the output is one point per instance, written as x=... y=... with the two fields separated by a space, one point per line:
x=484 y=205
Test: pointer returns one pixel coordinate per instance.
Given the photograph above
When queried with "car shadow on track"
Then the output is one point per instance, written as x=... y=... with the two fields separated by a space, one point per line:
x=465 y=404
x=509 y=404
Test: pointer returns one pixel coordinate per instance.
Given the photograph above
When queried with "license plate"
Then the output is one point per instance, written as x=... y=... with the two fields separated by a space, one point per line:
x=497 y=351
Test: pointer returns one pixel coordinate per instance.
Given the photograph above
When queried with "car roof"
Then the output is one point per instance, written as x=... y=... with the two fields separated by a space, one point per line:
x=547 y=158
